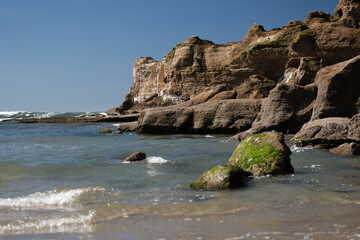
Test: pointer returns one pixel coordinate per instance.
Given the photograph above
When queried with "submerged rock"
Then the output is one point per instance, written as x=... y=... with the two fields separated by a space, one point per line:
x=135 y=157
x=104 y=131
x=117 y=132
x=263 y=154
x=222 y=177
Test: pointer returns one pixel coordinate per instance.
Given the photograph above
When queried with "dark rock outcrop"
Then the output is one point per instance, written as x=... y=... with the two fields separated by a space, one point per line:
x=135 y=157
x=263 y=154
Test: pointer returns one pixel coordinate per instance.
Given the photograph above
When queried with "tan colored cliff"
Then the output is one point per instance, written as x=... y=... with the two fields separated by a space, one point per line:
x=291 y=54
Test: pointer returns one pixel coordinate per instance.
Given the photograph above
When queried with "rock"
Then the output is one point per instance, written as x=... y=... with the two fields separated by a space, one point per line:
x=301 y=71
x=348 y=13
x=113 y=111
x=327 y=132
x=347 y=149
x=286 y=109
x=231 y=94
x=104 y=131
x=117 y=132
x=166 y=120
x=205 y=96
x=338 y=90
x=135 y=157
x=221 y=177
x=225 y=116
x=263 y=154
x=197 y=66
x=354 y=128
x=256 y=86
x=128 y=127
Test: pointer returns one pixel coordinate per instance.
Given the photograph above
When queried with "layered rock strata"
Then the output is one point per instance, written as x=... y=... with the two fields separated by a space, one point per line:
x=271 y=80
x=291 y=54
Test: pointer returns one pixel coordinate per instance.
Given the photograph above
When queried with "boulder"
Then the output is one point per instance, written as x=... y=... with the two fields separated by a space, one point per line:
x=104 y=131
x=286 y=109
x=347 y=149
x=263 y=154
x=135 y=157
x=327 y=132
x=221 y=177
x=113 y=111
x=225 y=116
x=354 y=128
x=128 y=127
x=165 y=120
x=116 y=132
x=338 y=90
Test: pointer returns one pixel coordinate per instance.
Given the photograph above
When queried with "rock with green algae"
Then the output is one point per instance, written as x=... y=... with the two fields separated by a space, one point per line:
x=221 y=177
x=263 y=154
x=104 y=131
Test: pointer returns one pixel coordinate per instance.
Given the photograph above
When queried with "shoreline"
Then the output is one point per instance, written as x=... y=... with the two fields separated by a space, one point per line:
x=98 y=118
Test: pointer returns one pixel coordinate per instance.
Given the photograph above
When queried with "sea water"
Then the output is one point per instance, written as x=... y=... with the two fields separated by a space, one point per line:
x=64 y=181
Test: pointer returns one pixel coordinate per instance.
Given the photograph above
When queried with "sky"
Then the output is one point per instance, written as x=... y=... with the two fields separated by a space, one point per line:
x=77 y=55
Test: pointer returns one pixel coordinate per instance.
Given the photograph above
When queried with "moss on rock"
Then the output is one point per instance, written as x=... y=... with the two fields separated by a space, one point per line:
x=263 y=154
x=104 y=131
x=221 y=177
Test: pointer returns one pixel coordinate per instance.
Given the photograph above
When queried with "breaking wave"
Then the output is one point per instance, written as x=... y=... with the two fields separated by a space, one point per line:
x=156 y=160
x=49 y=200
x=6 y=115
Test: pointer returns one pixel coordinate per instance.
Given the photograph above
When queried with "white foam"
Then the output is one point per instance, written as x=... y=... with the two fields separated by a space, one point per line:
x=297 y=149
x=74 y=223
x=156 y=160
x=209 y=136
x=50 y=199
x=10 y=113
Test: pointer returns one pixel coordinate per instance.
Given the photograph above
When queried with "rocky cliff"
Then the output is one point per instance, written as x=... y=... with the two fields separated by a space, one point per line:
x=282 y=80
x=291 y=54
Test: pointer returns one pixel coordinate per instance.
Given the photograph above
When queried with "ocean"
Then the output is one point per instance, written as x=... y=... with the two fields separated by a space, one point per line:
x=64 y=181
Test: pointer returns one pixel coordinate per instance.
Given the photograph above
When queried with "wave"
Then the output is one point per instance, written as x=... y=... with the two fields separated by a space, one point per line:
x=156 y=160
x=49 y=200
x=5 y=115
x=73 y=223
x=297 y=149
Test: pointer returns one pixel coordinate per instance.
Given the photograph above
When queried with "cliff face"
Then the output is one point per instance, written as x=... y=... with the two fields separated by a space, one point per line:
x=291 y=54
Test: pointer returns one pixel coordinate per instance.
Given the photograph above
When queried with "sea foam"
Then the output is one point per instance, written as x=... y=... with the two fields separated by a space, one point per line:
x=49 y=200
x=73 y=223
x=156 y=160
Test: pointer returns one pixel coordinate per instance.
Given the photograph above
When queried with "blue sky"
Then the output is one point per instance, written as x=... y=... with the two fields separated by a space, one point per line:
x=77 y=55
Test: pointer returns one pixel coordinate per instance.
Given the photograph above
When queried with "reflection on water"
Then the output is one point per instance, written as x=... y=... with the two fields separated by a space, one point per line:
x=69 y=183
